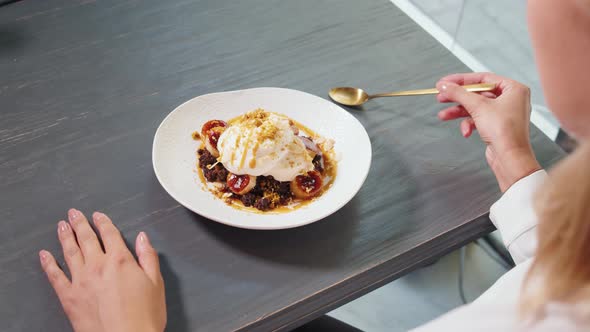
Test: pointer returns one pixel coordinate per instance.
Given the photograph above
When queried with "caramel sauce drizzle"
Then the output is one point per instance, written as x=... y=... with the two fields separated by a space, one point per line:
x=244 y=152
x=233 y=152
x=254 y=150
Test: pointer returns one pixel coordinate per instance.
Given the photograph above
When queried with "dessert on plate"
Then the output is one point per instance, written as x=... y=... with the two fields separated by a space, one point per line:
x=264 y=161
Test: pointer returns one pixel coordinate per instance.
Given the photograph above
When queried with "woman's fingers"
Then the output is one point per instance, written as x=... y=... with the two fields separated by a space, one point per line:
x=469 y=100
x=472 y=78
x=452 y=113
x=85 y=234
x=148 y=258
x=475 y=78
x=72 y=252
x=55 y=275
x=441 y=98
x=467 y=127
x=488 y=94
x=109 y=234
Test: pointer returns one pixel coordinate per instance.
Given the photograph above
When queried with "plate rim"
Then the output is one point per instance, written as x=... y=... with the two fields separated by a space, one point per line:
x=307 y=221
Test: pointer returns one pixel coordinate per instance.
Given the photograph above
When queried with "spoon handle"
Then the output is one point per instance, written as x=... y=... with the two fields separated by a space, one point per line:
x=471 y=87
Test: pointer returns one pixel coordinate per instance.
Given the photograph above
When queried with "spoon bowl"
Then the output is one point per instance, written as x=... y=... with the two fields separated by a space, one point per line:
x=349 y=96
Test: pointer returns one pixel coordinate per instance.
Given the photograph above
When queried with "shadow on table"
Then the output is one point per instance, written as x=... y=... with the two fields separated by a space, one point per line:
x=322 y=244
x=177 y=320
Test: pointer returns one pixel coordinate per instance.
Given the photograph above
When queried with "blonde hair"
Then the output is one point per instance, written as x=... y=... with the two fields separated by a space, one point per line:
x=560 y=272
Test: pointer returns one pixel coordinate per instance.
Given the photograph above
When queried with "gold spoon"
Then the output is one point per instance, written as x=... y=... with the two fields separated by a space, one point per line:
x=355 y=96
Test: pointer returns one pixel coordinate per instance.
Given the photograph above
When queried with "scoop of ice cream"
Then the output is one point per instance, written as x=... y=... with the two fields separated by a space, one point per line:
x=263 y=143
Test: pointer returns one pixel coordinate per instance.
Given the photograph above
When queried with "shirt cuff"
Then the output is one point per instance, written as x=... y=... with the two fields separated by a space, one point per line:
x=513 y=213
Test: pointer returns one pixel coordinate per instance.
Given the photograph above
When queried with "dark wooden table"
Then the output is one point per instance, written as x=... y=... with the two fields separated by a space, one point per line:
x=84 y=84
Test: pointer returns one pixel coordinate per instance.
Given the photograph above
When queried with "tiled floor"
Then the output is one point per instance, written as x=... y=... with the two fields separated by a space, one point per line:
x=494 y=36
x=495 y=32
x=422 y=295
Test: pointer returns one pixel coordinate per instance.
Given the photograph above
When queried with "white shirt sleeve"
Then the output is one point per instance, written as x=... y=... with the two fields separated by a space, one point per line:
x=514 y=216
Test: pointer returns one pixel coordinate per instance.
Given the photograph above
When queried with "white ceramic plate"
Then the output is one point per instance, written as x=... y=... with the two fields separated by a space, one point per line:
x=175 y=160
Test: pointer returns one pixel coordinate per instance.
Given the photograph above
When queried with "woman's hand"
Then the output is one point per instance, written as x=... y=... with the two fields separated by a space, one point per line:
x=109 y=290
x=501 y=118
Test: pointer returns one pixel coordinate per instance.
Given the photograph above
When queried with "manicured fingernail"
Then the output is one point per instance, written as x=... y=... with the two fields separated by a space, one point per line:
x=62 y=226
x=97 y=216
x=73 y=214
x=143 y=239
x=441 y=85
x=43 y=256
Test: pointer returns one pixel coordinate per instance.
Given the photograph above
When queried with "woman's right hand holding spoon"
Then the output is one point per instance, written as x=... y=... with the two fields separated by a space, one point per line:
x=501 y=117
